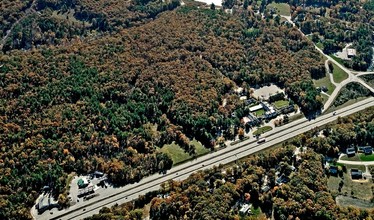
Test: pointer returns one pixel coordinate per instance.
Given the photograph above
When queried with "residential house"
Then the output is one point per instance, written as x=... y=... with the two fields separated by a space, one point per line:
x=351 y=151
x=333 y=170
x=246 y=208
x=356 y=174
x=351 y=52
x=368 y=150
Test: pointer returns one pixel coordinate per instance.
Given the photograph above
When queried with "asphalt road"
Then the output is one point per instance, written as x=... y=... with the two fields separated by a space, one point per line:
x=227 y=155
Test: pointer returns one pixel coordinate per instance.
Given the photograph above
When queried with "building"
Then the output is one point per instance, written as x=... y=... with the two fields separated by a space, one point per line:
x=368 y=150
x=356 y=174
x=255 y=108
x=351 y=151
x=239 y=90
x=351 y=52
x=269 y=110
x=86 y=191
x=83 y=182
x=98 y=174
x=333 y=170
x=246 y=208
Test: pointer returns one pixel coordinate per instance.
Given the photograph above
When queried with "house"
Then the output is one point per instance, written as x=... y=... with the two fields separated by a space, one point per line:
x=246 y=120
x=360 y=149
x=368 y=150
x=282 y=179
x=333 y=170
x=356 y=174
x=246 y=208
x=250 y=101
x=265 y=188
x=98 y=174
x=351 y=52
x=351 y=151
x=83 y=182
x=324 y=89
x=255 y=108
x=239 y=90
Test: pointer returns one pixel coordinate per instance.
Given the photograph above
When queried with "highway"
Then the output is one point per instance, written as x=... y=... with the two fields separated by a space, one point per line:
x=224 y=156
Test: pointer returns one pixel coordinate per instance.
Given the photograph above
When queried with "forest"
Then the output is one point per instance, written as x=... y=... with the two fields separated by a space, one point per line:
x=108 y=102
x=217 y=193
x=337 y=23
x=54 y=22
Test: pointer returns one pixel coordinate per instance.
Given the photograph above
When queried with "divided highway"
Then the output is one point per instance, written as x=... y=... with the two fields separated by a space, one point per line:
x=224 y=156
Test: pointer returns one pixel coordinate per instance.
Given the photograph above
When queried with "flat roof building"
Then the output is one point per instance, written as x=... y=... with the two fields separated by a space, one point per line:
x=255 y=108
x=351 y=52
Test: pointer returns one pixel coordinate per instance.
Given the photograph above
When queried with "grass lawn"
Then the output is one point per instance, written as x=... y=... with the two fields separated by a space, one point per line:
x=178 y=155
x=364 y=157
x=262 y=130
x=350 y=102
x=338 y=74
x=337 y=59
x=325 y=81
x=256 y=211
x=319 y=45
x=295 y=117
x=282 y=8
x=361 y=190
x=281 y=103
x=325 y=98
x=260 y=112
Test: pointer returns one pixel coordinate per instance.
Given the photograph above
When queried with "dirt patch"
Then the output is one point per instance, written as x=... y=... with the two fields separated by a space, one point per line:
x=346 y=201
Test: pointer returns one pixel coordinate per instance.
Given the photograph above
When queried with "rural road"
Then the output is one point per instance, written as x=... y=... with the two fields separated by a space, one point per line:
x=27 y=12
x=224 y=156
x=352 y=75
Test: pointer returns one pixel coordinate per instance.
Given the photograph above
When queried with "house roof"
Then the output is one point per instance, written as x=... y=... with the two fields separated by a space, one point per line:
x=356 y=172
x=351 y=52
x=351 y=150
x=255 y=108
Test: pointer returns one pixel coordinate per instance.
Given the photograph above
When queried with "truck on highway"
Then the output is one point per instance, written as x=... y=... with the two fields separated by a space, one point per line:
x=262 y=140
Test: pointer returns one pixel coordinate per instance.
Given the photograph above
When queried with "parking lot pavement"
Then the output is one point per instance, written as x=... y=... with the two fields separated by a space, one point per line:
x=99 y=191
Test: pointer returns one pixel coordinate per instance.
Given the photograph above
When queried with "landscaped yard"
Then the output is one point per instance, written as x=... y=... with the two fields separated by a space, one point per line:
x=325 y=81
x=260 y=112
x=262 y=130
x=178 y=155
x=319 y=45
x=359 y=157
x=282 y=8
x=281 y=103
x=364 y=157
x=339 y=74
x=361 y=190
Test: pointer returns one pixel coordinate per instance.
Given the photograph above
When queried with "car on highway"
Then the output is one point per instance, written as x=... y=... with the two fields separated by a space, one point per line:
x=261 y=141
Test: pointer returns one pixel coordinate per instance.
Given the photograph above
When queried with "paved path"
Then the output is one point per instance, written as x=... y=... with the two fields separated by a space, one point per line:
x=362 y=73
x=364 y=163
x=330 y=73
x=227 y=155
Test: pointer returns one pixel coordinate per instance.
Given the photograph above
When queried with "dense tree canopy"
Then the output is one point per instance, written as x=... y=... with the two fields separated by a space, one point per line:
x=107 y=102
